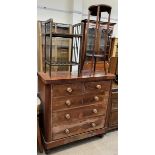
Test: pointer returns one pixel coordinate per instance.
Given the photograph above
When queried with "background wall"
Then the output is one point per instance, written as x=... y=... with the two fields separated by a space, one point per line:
x=72 y=11
x=56 y=9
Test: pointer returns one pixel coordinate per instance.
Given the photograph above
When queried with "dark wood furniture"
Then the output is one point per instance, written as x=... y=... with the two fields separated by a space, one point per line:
x=113 y=114
x=73 y=107
x=96 y=42
x=63 y=55
x=88 y=39
x=61 y=47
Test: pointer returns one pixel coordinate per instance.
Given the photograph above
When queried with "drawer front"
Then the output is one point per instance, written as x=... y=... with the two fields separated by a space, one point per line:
x=114 y=95
x=63 y=103
x=67 y=89
x=97 y=86
x=113 y=118
x=114 y=100
x=67 y=129
x=93 y=98
x=78 y=113
x=114 y=104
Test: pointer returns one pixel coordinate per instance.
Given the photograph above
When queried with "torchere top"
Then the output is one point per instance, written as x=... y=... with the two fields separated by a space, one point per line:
x=103 y=8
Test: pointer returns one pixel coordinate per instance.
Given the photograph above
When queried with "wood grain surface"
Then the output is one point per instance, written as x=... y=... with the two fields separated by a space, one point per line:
x=92 y=86
x=78 y=113
x=73 y=107
x=61 y=90
x=77 y=127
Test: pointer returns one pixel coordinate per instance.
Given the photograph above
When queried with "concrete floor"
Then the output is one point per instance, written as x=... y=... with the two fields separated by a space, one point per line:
x=92 y=146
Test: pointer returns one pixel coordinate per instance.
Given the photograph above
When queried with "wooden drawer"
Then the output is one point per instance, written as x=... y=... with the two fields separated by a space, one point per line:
x=67 y=129
x=113 y=118
x=97 y=86
x=63 y=103
x=67 y=89
x=114 y=100
x=114 y=105
x=93 y=98
x=114 y=95
x=78 y=113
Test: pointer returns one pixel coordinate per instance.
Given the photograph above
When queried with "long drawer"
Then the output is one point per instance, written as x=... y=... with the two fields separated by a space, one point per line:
x=75 y=114
x=67 y=129
x=63 y=103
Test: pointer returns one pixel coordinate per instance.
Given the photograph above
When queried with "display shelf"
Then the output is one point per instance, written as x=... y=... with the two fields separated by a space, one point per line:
x=63 y=35
x=95 y=55
x=59 y=46
x=97 y=36
x=61 y=63
x=62 y=46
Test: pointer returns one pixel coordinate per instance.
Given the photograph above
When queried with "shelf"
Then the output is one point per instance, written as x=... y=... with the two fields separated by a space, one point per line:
x=62 y=47
x=95 y=55
x=93 y=21
x=58 y=46
x=63 y=35
x=61 y=63
x=93 y=45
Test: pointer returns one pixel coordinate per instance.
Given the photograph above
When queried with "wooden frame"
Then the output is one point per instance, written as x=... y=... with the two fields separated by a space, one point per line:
x=74 y=48
x=95 y=10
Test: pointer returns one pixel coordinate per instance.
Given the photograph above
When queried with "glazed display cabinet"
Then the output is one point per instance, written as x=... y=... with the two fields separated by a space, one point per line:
x=62 y=46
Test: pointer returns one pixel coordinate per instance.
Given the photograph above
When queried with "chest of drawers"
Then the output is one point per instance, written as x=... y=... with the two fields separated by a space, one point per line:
x=73 y=107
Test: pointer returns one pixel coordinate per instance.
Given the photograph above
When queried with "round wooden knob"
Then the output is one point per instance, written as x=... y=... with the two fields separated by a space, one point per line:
x=68 y=102
x=67 y=116
x=96 y=98
x=69 y=89
x=95 y=111
x=67 y=131
x=98 y=86
x=93 y=125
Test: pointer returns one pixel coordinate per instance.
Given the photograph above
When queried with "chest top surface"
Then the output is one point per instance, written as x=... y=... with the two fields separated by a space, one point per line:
x=60 y=77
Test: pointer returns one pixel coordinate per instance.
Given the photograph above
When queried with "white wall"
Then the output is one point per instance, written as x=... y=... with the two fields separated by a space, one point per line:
x=53 y=12
x=62 y=10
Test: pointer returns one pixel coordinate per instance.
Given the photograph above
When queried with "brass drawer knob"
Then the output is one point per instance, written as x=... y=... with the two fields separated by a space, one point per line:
x=67 y=116
x=96 y=98
x=98 y=86
x=69 y=89
x=68 y=102
x=95 y=111
x=93 y=125
x=67 y=131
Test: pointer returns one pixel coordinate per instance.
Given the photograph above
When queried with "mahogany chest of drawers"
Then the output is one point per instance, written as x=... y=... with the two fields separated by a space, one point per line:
x=73 y=107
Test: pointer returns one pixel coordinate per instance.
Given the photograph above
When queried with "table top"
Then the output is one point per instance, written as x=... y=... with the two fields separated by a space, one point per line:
x=63 y=76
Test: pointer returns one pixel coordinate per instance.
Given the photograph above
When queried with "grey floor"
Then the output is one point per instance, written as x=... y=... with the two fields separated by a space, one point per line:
x=93 y=146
